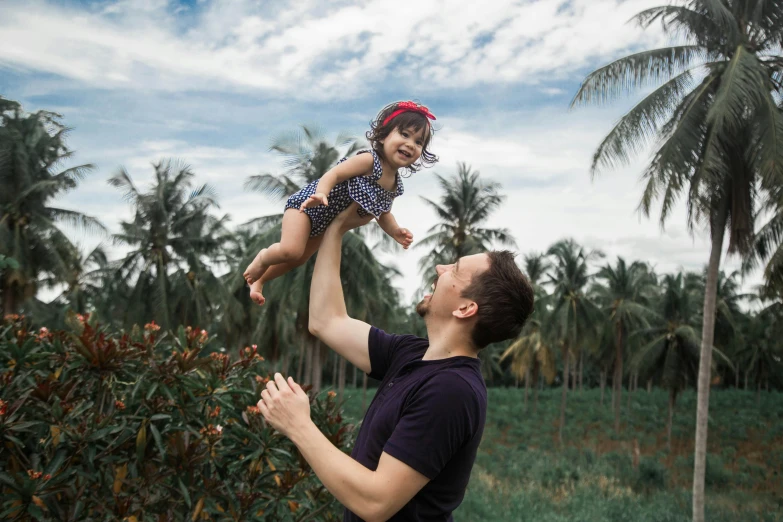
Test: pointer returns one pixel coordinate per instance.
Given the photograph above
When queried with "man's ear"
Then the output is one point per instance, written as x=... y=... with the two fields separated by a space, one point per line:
x=466 y=310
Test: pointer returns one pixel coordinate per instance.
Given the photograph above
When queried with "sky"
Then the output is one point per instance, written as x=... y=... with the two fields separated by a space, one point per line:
x=213 y=83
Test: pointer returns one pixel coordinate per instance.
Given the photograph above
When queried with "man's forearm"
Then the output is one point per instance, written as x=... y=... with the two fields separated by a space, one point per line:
x=326 y=289
x=355 y=486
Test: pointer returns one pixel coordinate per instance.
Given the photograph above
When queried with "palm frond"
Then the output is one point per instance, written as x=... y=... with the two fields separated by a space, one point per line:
x=636 y=71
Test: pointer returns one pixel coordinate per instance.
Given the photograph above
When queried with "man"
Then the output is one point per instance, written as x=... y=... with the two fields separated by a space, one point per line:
x=417 y=444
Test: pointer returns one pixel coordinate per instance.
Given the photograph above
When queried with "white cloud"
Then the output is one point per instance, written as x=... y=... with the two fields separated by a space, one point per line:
x=302 y=49
x=309 y=51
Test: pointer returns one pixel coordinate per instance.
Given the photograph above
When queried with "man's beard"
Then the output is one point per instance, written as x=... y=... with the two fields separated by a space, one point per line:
x=423 y=308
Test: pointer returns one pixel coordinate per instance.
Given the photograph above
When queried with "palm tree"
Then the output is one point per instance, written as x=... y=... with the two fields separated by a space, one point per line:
x=719 y=133
x=671 y=354
x=769 y=247
x=532 y=355
x=728 y=313
x=465 y=204
x=32 y=149
x=368 y=290
x=174 y=242
x=536 y=266
x=761 y=355
x=84 y=281
x=625 y=299
x=574 y=316
x=308 y=156
x=604 y=354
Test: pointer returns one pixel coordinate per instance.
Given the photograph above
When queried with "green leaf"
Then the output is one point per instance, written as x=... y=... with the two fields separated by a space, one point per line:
x=22 y=426
x=152 y=390
x=77 y=509
x=56 y=462
x=10 y=482
x=158 y=441
x=185 y=492
x=35 y=511
x=141 y=441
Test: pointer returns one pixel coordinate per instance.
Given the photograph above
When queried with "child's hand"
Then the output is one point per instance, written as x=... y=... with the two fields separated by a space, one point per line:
x=313 y=201
x=404 y=237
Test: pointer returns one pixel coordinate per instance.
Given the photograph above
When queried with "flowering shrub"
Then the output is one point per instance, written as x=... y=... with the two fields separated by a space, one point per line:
x=137 y=426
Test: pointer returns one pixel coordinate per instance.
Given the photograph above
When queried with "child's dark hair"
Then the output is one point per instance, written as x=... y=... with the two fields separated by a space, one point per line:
x=407 y=120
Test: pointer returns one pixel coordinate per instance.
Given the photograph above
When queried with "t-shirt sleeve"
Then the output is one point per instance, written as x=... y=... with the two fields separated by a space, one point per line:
x=438 y=420
x=383 y=348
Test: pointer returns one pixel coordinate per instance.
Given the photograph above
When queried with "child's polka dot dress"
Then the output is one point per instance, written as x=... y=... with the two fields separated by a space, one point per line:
x=365 y=190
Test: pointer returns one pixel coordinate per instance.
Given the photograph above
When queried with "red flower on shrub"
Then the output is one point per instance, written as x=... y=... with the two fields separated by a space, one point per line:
x=3 y=407
x=151 y=327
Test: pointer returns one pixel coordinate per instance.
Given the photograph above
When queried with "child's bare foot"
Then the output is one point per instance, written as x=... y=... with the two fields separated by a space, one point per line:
x=255 y=269
x=255 y=293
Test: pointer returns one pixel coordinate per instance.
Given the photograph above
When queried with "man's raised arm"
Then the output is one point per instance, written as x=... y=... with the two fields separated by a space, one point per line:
x=329 y=319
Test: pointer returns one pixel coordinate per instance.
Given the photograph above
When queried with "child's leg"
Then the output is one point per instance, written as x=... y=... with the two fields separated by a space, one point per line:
x=293 y=239
x=279 y=269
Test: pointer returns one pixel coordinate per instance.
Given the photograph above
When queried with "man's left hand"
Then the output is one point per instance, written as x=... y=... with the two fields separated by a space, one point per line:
x=285 y=405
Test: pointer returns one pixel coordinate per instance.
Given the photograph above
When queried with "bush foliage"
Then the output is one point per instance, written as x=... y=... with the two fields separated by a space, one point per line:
x=143 y=426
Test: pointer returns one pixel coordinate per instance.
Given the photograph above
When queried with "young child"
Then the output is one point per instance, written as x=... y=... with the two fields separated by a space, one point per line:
x=399 y=137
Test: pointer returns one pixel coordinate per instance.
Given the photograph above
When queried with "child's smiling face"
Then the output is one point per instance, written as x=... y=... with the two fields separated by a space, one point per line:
x=402 y=147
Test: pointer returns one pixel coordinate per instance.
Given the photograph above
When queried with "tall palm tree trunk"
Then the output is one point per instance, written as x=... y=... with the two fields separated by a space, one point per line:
x=355 y=376
x=705 y=365
x=341 y=379
x=335 y=362
x=618 y=375
x=574 y=375
x=672 y=398
x=9 y=303
x=318 y=371
x=603 y=385
x=581 y=370
x=536 y=387
x=614 y=391
x=300 y=362
x=527 y=385
x=564 y=395
x=308 y=362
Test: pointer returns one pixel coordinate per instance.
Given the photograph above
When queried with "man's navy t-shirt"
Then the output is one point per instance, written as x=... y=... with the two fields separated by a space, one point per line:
x=429 y=415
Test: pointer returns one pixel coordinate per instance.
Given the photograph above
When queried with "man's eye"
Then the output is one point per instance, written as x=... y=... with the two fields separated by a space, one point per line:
x=405 y=134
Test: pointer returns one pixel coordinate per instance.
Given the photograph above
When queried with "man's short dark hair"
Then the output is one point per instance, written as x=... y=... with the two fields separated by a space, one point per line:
x=504 y=297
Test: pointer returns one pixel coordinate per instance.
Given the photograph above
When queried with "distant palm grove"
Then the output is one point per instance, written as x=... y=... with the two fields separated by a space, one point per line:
x=612 y=326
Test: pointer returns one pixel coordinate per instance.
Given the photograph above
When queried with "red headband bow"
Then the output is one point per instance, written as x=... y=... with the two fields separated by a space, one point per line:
x=409 y=106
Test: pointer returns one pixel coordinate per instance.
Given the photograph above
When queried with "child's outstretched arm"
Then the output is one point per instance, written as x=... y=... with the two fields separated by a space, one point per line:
x=389 y=225
x=350 y=168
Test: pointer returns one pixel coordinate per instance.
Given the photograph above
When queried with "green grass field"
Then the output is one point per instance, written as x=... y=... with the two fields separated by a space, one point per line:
x=522 y=475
